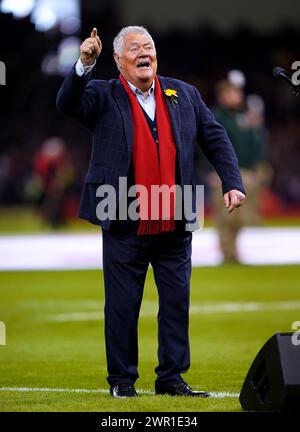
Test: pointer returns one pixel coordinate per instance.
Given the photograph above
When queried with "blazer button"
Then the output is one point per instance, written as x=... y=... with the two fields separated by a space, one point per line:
x=154 y=129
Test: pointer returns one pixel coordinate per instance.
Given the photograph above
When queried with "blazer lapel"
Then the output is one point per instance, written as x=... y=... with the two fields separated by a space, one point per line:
x=173 y=111
x=125 y=110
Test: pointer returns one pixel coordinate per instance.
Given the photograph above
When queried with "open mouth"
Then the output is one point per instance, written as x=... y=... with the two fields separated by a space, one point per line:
x=143 y=65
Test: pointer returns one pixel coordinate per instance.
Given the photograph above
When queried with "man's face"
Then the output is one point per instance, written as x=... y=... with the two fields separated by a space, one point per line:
x=137 y=61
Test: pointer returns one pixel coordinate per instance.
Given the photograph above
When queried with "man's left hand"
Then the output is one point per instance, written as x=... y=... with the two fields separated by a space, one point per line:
x=233 y=199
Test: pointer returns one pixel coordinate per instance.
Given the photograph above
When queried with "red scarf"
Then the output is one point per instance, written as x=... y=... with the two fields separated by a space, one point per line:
x=149 y=169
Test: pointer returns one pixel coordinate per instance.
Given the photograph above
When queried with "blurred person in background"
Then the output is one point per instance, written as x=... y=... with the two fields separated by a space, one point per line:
x=52 y=179
x=243 y=119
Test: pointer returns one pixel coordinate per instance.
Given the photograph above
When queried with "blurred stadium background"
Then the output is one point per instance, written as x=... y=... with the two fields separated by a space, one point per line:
x=53 y=317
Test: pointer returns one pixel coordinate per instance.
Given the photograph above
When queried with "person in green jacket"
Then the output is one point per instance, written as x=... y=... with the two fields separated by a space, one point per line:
x=244 y=122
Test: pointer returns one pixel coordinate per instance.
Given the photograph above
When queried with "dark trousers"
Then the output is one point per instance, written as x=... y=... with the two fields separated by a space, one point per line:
x=126 y=258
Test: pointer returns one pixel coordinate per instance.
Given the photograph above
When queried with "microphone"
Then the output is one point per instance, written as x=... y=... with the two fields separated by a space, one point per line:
x=279 y=72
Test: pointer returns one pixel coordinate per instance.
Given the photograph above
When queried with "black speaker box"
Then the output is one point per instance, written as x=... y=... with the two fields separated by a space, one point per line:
x=273 y=380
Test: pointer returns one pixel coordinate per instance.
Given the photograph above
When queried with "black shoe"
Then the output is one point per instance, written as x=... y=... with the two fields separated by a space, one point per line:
x=123 y=390
x=180 y=389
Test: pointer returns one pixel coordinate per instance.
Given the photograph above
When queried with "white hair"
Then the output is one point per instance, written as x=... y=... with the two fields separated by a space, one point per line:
x=119 y=39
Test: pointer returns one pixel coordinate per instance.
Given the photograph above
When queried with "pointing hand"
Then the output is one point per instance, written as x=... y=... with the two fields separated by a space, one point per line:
x=90 y=48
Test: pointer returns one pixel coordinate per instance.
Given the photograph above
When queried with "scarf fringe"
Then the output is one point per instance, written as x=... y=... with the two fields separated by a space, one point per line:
x=155 y=227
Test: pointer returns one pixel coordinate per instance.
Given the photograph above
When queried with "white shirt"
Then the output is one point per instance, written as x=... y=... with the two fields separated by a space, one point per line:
x=83 y=70
x=147 y=103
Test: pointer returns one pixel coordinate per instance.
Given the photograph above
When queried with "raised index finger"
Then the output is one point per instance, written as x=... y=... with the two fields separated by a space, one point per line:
x=94 y=32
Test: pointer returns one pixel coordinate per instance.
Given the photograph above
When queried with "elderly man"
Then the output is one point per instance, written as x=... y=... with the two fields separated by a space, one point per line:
x=145 y=128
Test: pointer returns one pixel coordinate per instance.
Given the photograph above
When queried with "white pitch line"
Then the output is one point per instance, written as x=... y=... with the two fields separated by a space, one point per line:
x=49 y=390
x=62 y=390
x=222 y=395
x=212 y=308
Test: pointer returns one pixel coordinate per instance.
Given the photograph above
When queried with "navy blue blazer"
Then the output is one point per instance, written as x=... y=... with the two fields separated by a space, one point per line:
x=104 y=108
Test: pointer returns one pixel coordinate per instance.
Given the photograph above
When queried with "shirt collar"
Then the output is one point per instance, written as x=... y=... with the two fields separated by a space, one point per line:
x=137 y=91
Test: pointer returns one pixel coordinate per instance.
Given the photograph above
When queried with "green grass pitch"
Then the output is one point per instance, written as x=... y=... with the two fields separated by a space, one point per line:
x=55 y=337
